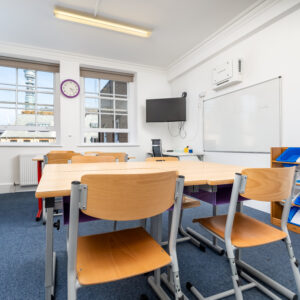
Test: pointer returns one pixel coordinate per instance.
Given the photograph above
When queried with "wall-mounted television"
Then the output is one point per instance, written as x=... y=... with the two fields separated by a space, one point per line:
x=166 y=110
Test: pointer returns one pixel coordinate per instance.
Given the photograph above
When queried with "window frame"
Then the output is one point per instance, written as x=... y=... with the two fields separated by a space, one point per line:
x=131 y=103
x=56 y=112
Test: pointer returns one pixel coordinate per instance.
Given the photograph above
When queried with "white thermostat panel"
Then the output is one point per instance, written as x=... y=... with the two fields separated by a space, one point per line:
x=227 y=74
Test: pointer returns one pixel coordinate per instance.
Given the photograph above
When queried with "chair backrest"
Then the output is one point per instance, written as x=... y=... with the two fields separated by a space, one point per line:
x=92 y=153
x=156 y=147
x=61 y=151
x=163 y=158
x=120 y=156
x=81 y=159
x=124 y=197
x=60 y=158
x=269 y=184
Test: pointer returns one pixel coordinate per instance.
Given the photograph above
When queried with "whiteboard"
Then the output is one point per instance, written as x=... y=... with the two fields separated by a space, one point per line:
x=245 y=120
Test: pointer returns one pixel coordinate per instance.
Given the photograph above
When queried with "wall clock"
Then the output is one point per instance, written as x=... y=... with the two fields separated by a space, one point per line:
x=70 y=88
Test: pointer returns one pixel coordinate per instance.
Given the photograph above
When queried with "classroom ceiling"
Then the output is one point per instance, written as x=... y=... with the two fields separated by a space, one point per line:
x=178 y=26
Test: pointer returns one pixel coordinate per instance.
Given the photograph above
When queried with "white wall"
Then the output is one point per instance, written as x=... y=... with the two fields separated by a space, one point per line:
x=150 y=82
x=270 y=52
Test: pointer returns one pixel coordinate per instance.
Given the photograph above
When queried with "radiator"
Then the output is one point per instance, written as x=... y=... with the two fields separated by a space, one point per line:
x=28 y=170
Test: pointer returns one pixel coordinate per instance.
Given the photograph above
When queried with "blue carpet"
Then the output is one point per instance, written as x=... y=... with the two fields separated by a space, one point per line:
x=22 y=254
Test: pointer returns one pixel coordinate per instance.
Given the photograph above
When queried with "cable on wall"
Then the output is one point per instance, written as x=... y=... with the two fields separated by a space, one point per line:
x=181 y=130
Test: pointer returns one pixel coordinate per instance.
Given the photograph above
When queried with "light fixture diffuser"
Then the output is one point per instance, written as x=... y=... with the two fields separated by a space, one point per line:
x=86 y=19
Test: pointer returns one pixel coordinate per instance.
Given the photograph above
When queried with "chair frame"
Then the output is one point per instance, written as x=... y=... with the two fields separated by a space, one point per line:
x=78 y=200
x=238 y=266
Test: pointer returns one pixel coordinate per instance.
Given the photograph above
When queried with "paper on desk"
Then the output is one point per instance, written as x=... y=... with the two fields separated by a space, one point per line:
x=296 y=218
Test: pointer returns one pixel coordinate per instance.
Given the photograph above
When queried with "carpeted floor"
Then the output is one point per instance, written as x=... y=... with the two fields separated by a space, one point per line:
x=22 y=255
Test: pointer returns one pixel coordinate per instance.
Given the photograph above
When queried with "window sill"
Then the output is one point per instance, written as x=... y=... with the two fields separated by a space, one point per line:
x=28 y=145
x=109 y=145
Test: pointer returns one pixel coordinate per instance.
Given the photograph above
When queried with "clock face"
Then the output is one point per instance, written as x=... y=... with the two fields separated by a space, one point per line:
x=70 y=88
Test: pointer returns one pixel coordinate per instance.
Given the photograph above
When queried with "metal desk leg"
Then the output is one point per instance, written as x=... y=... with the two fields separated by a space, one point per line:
x=154 y=281
x=210 y=244
x=50 y=255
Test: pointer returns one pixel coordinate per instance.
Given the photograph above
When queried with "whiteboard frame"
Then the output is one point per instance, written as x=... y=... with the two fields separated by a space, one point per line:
x=240 y=89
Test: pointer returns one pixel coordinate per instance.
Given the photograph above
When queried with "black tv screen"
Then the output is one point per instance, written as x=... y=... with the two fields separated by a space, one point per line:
x=166 y=110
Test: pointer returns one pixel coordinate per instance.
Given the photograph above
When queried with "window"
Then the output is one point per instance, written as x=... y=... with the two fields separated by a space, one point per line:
x=27 y=101
x=106 y=107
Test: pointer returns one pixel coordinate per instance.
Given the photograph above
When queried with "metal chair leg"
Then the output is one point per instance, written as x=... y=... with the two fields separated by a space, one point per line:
x=115 y=225
x=294 y=262
x=235 y=279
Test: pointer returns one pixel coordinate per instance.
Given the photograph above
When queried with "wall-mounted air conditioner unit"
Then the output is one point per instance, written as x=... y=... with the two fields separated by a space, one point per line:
x=227 y=74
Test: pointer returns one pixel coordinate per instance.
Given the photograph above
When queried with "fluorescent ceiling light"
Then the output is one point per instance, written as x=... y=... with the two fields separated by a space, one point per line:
x=82 y=18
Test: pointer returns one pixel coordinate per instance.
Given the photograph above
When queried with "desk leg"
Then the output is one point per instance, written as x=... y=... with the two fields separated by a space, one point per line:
x=40 y=201
x=50 y=255
x=212 y=244
x=154 y=281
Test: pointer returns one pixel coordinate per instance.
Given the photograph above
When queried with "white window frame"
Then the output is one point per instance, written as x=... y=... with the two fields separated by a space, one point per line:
x=56 y=95
x=131 y=119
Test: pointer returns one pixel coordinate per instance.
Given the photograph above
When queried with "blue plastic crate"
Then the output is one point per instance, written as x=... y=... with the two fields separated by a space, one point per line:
x=289 y=155
x=293 y=211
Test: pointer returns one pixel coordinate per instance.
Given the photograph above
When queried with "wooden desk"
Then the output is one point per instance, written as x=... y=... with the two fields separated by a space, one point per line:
x=56 y=181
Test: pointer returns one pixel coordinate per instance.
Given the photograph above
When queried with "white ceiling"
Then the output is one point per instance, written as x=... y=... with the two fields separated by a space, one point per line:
x=178 y=25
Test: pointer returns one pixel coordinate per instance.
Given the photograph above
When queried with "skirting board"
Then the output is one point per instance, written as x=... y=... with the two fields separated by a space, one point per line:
x=11 y=188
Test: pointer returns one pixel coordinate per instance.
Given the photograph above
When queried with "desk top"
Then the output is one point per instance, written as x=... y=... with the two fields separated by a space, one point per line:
x=38 y=158
x=56 y=179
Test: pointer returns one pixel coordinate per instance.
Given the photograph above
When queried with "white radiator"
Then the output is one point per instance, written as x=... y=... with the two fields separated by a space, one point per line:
x=28 y=170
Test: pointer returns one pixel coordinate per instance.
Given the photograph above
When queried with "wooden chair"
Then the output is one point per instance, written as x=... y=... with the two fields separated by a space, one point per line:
x=61 y=151
x=81 y=159
x=107 y=257
x=120 y=156
x=238 y=230
x=59 y=157
x=163 y=158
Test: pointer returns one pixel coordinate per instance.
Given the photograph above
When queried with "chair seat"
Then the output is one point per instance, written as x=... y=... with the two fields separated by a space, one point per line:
x=246 y=231
x=188 y=202
x=118 y=255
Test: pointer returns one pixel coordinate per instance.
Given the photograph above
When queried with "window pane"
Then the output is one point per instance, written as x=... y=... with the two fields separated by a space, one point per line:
x=27 y=98
x=45 y=98
x=105 y=137
x=91 y=85
x=25 y=117
x=121 y=106
x=7 y=116
x=7 y=96
x=121 y=137
x=24 y=136
x=8 y=105
x=92 y=105
x=44 y=119
x=91 y=121
x=91 y=137
x=107 y=106
x=45 y=79
x=27 y=77
x=121 y=121
x=7 y=75
x=106 y=87
x=121 y=88
x=107 y=121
